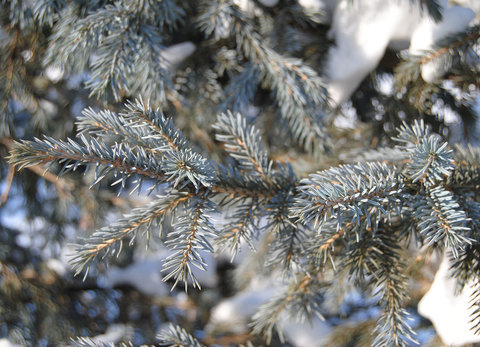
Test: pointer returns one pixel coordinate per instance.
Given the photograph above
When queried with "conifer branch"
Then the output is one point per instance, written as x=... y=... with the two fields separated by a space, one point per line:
x=392 y=328
x=139 y=113
x=109 y=240
x=287 y=245
x=237 y=185
x=298 y=90
x=191 y=235
x=442 y=221
x=178 y=164
x=242 y=227
x=467 y=166
x=353 y=188
x=106 y=123
x=119 y=159
x=175 y=336
x=453 y=46
x=301 y=299
x=243 y=143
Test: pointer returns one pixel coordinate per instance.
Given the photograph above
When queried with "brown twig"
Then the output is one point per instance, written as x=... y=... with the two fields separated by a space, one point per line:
x=62 y=186
x=9 y=180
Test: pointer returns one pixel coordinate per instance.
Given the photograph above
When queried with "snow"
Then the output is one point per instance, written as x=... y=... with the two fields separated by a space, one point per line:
x=175 y=54
x=234 y=314
x=146 y=274
x=246 y=6
x=361 y=41
x=312 y=4
x=473 y=4
x=59 y=267
x=364 y=29
x=325 y=6
x=449 y=312
x=308 y=334
x=114 y=334
x=269 y=3
x=455 y=19
x=6 y=343
x=54 y=74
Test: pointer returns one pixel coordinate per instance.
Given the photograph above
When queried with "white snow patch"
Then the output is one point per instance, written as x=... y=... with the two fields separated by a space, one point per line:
x=362 y=32
x=312 y=4
x=365 y=28
x=449 y=311
x=146 y=274
x=473 y=4
x=59 y=267
x=234 y=314
x=5 y=343
x=269 y=3
x=307 y=334
x=325 y=6
x=386 y=84
x=54 y=73
x=455 y=19
x=347 y=119
x=177 y=53
x=115 y=333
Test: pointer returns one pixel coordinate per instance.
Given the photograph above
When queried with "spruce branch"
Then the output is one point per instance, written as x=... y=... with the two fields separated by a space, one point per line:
x=321 y=243
x=192 y=233
x=74 y=38
x=124 y=38
x=242 y=226
x=475 y=304
x=452 y=48
x=302 y=299
x=243 y=142
x=108 y=123
x=375 y=258
x=178 y=163
x=187 y=166
x=441 y=220
x=166 y=15
x=175 y=336
x=92 y=342
x=433 y=7
x=215 y=18
x=298 y=90
x=45 y=12
x=466 y=268
x=288 y=235
x=140 y=114
x=349 y=190
x=120 y=159
x=236 y=185
x=410 y=136
x=392 y=328
x=467 y=166
x=286 y=248
x=109 y=240
x=241 y=89
x=431 y=161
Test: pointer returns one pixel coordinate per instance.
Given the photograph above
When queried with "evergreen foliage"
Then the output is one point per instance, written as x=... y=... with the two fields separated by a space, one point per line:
x=232 y=178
